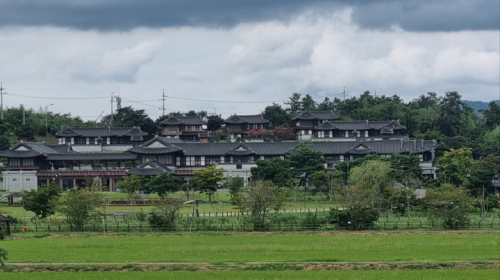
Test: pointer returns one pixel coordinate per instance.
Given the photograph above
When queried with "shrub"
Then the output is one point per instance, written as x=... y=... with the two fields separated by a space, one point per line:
x=312 y=220
x=355 y=219
x=160 y=222
x=3 y=257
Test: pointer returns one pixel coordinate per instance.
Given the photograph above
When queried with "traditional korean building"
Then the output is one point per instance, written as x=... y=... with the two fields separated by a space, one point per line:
x=238 y=158
x=31 y=164
x=305 y=122
x=239 y=125
x=187 y=128
x=98 y=139
x=356 y=130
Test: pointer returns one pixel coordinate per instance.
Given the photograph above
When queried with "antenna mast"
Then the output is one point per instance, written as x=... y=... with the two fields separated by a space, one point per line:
x=163 y=99
x=111 y=120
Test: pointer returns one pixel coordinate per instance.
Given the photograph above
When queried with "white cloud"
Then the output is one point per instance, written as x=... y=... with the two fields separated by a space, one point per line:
x=250 y=62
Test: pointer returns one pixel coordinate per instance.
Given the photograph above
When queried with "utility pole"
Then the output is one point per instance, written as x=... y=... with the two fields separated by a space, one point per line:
x=344 y=94
x=46 y=119
x=24 y=115
x=163 y=99
x=111 y=120
x=1 y=97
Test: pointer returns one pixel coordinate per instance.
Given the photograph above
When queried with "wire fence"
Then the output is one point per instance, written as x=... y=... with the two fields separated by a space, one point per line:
x=187 y=226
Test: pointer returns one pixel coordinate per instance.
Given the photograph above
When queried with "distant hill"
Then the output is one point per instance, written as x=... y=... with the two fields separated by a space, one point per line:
x=479 y=105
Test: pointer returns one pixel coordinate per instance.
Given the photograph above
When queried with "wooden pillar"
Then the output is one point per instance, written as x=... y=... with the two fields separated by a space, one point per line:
x=8 y=227
x=61 y=184
x=74 y=183
x=48 y=182
x=111 y=184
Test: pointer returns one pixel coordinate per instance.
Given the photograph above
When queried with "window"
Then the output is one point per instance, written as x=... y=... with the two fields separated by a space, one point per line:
x=28 y=179
x=14 y=161
x=28 y=161
x=165 y=159
x=197 y=161
x=80 y=140
x=212 y=160
x=238 y=166
x=14 y=180
x=329 y=166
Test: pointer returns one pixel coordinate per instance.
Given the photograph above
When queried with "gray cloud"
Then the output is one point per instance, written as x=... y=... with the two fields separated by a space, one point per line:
x=413 y=15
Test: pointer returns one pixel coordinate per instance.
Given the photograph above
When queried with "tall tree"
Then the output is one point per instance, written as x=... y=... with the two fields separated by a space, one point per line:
x=207 y=180
x=306 y=160
x=214 y=122
x=451 y=204
x=277 y=115
x=163 y=184
x=374 y=177
x=492 y=115
x=453 y=114
x=275 y=170
x=42 y=201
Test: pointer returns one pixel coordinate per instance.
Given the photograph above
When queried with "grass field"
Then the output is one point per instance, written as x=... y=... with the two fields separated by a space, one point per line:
x=259 y=248
x=289 y=275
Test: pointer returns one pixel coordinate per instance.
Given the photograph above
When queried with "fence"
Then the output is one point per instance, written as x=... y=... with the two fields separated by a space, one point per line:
x=187 y=226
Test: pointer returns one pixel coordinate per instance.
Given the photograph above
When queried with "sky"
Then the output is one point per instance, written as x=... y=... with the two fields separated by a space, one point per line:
x=239 y=56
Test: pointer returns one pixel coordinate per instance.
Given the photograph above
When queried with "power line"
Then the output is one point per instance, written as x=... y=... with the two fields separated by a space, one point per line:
x=222 y=101
x=44 y=97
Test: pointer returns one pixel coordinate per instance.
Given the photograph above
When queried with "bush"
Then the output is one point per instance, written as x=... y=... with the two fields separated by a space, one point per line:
x=3 y=256
x=312 y=220
x=492 y=202
x=354 y=219
x=161 y=222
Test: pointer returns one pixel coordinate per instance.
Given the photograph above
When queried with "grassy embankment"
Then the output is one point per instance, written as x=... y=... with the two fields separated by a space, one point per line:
x=288 y=275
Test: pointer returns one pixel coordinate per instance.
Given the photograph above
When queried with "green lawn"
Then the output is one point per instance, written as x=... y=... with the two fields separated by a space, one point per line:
x=262 y=248
x=288 y=275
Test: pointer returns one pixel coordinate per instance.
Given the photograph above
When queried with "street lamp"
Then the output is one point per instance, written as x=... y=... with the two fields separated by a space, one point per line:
x=46 y=120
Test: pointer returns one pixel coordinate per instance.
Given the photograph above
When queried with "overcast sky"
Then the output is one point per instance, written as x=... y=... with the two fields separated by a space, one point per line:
x=255 y=51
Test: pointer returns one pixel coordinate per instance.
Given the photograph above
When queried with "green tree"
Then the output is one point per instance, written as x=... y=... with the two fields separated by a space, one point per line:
x=277 y=115
x=79 y=205
x=329 y=182
x=214 y=122
x=42 y=201
x=276 y=170
x=260 y=198
x=492 y=115
x=207 y=180
x=4 y=143
x=163 y=184
x=233 y=184
x=25 y=132
x=373 y=178
x=306 y=160
x=168 y=214
x=3 y=256
x=490 y=143
x=456 y=166
x=453 y=114
x=130 y=184
x=450 y=204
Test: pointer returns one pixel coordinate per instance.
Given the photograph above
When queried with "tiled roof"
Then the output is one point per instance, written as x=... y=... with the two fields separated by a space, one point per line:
x=34 y=149
x=365 y=125
x=326 y=126
x=250 y=119
x=150 y=168
x=185 y=120
x=315 y=115
x=100 y=131
x=93 y=156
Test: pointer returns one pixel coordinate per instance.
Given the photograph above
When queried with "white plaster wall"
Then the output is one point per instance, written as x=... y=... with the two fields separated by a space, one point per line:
x=17 y=181
x=87 y=149
x=121 y=148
